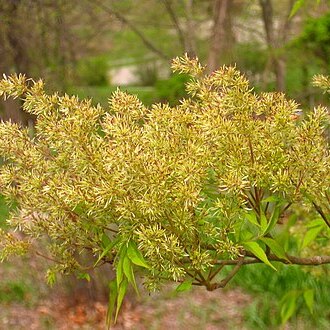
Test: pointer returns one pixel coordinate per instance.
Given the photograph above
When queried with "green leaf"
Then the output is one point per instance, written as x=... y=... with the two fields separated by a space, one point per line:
x=275 y=247
x=252 y=217
x=292 y=220
x=255 y=248
x=273 y=219
x=297 y=5
x=263 y=222
x=120 y=267
x=112 y=301
x=289 y=306
x=51 y=277
x=106 y=241
x=311 y=235
x=316 y=223
x=135 y=255
x=270 y=199
x=309 y=299
x=184 y=286
x=129 y=273
x=107 y=249
x=84 y=276
x=120 y=297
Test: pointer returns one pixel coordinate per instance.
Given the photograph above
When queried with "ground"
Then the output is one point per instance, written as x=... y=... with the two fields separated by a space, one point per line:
x=198 y=309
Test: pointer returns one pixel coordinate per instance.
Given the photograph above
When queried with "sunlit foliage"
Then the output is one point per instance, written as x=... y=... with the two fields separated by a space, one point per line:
x=178 y=191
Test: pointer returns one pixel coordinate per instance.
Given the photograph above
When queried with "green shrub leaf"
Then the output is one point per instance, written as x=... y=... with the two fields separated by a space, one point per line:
x=129 y=272
x=121 y=294
x=311 y=235
x=275 y=247
x=135 y=255
x=184 y=286
x=255 y=248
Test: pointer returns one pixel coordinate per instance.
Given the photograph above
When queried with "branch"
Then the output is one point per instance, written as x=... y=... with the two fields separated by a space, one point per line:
x=224 y=282
x=171 y=12
x=321 y=213
x=292 y=260
x=130 y=25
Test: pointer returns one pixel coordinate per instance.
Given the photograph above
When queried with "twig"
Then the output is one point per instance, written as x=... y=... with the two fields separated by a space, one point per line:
x=48 y=258
x=312 y=261
x=225 y=281
x=321 y=213
x=129 y=24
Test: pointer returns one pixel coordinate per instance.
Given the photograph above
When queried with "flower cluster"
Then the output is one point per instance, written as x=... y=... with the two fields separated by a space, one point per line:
x=180 y=182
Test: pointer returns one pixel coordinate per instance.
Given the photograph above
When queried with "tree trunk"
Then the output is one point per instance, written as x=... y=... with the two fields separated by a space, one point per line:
x=218 y=37
x=11 y=109
x=275 y=43
x=190 y=44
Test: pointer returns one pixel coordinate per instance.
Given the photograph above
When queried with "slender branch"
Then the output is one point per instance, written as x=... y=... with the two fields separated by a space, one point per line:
x=130 y=25
x=172 y=14
x=286 y=207
x=110 y=229
x=215 y=273
x=321 y=213
x=48 y=258
x=225 y=281
x=251 y=151
x=312 y=261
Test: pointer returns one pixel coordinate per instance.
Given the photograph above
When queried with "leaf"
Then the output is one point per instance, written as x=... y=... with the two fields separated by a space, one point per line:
x=255 y=248
x=106 y=241
x=112 y=301
x=263 y=221
x=292 y=220
x=297 y=5
x=311 y=235
x=120 y=268
x=273 y=219
x=252 y=218
x=316 y=223
x=129 y=273
x=275 y=247
x=289 y=306
x=120 y=297
x=107 y=249
x=270 y=199
x=135 y=255
x=84 y=276
x=309 y=299
x=184 y=286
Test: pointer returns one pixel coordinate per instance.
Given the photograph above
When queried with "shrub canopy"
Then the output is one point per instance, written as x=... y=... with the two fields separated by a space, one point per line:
x=178 y=191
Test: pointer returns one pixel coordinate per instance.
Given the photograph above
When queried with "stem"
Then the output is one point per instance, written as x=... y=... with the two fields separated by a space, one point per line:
x=48 y=258
x=215 y=273
x=291 y=260
x=321 y=213
x=233 y=272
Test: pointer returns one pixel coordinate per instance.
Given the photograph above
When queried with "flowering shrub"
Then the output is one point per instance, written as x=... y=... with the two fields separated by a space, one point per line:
x=180 y=192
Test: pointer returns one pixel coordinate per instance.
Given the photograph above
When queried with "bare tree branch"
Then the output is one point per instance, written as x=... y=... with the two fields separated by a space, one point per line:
x=226 y=280
x=322 y=214
x=130 y=25
x=312 y=261
x=174 y=18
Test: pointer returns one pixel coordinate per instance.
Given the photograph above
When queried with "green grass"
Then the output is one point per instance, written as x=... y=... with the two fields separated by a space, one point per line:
x=14 y=291
x=269 y=288
x=101 y=94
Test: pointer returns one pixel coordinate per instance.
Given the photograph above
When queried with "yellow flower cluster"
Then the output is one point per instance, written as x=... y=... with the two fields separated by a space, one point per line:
x=177 y=181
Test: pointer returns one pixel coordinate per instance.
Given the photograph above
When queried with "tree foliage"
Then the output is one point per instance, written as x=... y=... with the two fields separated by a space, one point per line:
x=180 y=192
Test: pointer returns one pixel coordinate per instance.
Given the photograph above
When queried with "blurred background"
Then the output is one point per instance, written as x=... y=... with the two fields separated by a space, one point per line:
x=89 y=48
